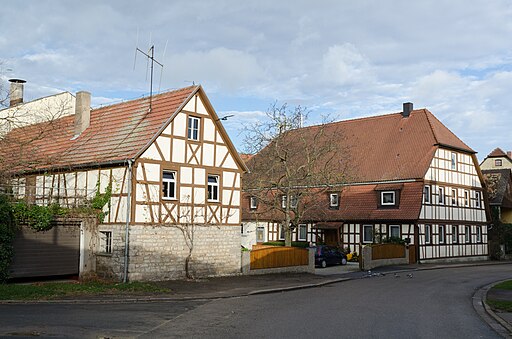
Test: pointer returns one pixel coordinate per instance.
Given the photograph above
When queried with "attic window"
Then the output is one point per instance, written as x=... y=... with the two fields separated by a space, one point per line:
x=193 y=128
x=387 y=198
x=334 y=200
x=498 y=162
x=253 y=201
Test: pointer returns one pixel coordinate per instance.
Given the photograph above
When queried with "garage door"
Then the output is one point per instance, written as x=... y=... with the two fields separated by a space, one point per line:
x=51 y=253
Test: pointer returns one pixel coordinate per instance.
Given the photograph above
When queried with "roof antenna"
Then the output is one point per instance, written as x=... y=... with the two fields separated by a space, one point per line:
x=151 y=60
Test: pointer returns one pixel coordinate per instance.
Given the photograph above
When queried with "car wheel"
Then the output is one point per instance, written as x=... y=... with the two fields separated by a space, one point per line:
x=344 y=261
x=323 y=264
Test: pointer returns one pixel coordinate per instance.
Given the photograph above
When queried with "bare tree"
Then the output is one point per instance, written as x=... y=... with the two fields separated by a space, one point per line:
x=293 y=167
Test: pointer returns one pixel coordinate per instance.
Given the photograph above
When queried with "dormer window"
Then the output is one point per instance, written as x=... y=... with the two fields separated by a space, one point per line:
x=334 y=200
x=498 y=162
x=387 y=198
x=253 y=203
x=293 y=201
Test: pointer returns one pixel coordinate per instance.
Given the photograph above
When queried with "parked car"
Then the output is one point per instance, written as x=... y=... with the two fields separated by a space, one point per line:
x=326 y=255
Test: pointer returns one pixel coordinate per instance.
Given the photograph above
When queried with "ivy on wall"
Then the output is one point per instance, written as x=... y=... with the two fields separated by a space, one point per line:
x=7 y=233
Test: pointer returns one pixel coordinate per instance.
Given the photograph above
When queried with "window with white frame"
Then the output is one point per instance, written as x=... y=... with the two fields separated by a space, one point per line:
x=498 y=162
x=454 y=197
x=454 y=161
x=467 y=234
x=426 y=194
x=387 y=198
x=193 y=128
x=213 y=188
x=334 y=200
x=253 y=203
x=106 y=242
x=367 y=233
x=281 y=232
x=440 y=198
x=169 y=185
x=466 y=198
x=455 y=234
x=303 y=232
x=294 y=201
x=428 y=234
x=283 y=201
x=394 y=231
x=479 y=234
x=477 y=199
x=441 y=234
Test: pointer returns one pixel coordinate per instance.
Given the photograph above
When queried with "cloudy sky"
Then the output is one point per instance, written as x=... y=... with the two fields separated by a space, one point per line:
x=340 y=58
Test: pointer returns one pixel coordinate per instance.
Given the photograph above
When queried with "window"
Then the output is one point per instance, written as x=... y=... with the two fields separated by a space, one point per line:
x=169 y=185
x=106 y=242
x=441 y=195
x=193 y=128
x=467 y=234
x=334 y=200
x=367 y=233
x=242 y=230
x=479 y=234
x=303 y=232
x=466 y=198
x=260 y=234
x=394 y=231
x=455 y=234
x=213 y=188
x=428 y=234
x=387 y=198
x=283 y=201
x=253 y=203
x=441 y=234
x=498 y=162
x=454 y=197
x=454 y=161
x=477 y=199
x=281 y=232
x=294 y=201
x=426 y=194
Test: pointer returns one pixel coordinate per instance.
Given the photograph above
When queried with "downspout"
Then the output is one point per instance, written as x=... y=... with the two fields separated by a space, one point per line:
x=127 y=229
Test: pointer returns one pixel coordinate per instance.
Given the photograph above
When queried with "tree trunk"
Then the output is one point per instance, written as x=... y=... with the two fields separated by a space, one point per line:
x=287 y=232
x=188 y=274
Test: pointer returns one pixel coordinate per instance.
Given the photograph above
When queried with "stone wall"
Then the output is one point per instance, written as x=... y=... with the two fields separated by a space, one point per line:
x=159 y=252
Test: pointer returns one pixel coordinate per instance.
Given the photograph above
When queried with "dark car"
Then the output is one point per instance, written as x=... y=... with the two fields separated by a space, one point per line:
x=326 y=255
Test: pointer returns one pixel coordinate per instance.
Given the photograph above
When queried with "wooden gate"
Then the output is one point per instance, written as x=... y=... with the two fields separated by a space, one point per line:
x=412 y=254
x=272 y=257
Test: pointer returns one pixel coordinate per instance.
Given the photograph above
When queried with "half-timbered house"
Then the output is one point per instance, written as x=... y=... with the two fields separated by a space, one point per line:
x=406 y=176
x=173 y=173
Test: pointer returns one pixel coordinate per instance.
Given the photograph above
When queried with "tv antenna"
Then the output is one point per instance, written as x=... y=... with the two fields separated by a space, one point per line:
x=150 y=55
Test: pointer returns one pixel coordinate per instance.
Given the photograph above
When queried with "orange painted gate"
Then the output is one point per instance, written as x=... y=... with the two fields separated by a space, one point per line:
x=272 y=257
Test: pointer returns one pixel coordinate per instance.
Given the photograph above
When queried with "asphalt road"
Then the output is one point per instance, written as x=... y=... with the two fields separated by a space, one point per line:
x=431 y=304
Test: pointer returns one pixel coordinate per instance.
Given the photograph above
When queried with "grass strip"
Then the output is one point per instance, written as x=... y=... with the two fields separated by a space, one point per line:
x=506 y=285
x=501 y=305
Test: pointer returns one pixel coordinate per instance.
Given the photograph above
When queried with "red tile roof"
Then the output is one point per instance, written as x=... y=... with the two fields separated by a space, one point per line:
x=116 y=133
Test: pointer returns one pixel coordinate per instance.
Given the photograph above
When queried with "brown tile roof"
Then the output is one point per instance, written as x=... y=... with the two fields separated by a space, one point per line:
x=497 y=153
x=380 y=148
x=116 y=133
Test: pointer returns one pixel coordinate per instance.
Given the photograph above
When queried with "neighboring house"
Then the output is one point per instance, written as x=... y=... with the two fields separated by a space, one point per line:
x=497 y=159
x=407 y=176
x=168 y=161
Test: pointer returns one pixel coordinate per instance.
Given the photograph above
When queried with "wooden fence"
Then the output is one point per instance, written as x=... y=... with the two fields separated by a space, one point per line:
x=387 y=251
x=278 y=256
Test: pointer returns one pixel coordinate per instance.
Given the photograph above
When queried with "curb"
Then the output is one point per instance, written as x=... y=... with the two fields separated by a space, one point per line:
x=499 y=325
x=298 y=287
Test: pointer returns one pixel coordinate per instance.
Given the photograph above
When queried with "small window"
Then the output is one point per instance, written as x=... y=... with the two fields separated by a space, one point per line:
x=367 y=233
x=106 y=242
x=303 y=232
x=466 y=198
x=294 y=201
x=441 y=234
x=387 y=198
x=281 y=232
x=253 y=201
x=394 y=231
x=169 y=185
x=213 y=188
x=426 y=194
x=193 y=128
x=467 y=234
x=428 y=234
x=498 y=162
x=477 y=200
x=454 y=197
x=283 y=201
x=454 y=161
x=441 y=195
x=479 y=234
x=242 y=229
x=455 y=234
x=334 y=200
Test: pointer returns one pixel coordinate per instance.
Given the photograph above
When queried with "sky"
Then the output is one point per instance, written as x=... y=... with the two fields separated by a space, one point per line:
x=343 y=59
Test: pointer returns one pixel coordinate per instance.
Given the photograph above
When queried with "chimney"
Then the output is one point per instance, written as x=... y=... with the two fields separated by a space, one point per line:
x=82 y=112
x=407 y=109
x=16 y=91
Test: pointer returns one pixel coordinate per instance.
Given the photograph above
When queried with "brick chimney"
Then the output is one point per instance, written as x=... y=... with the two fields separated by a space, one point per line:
x=82 y=112
x=16 y=92
x=407 y=109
